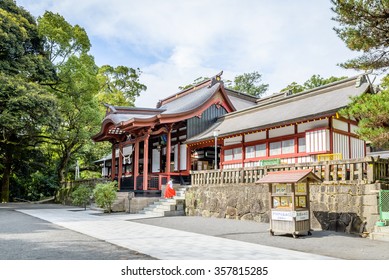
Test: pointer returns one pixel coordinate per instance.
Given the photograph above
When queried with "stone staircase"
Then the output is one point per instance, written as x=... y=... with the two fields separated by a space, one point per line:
x=119 y=204
x=380 y=233
x=169 y=206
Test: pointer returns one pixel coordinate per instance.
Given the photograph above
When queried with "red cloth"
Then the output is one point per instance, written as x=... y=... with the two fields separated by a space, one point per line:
x=169 y=191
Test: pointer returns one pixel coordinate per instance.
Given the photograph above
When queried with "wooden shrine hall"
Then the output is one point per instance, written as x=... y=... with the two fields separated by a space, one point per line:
x=148 y=144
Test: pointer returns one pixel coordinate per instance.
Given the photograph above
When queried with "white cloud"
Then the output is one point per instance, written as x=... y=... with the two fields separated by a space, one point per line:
x=175 y=41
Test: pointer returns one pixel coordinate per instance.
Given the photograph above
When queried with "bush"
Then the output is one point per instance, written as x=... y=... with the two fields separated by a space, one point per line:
x=105 y=195
x=81 y=196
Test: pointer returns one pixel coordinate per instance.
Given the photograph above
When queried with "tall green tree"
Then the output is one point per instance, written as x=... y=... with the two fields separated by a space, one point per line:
x=372 y=112
x=75 y=89
x=27 y=111
x=250 y=83
x=363 y=26
x=119 y=85
x=313 y=82
x=81 y=88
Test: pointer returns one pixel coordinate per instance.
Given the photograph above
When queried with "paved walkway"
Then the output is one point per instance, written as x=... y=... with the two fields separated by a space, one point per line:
x=159 y=242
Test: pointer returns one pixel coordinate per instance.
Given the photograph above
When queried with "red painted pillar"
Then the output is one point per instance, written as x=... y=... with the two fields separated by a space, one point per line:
x=168 y=153
x=136 y=162
x=145 y=162
x=113 y=162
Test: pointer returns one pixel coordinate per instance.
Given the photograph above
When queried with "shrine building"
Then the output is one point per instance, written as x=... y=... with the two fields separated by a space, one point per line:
x=211 y=127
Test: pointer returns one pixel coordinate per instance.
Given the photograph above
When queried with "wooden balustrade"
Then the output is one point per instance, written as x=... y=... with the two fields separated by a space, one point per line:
x=365 y=170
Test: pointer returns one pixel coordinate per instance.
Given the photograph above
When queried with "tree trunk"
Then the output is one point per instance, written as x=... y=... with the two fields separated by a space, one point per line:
x=6 y=176
x=63 y=164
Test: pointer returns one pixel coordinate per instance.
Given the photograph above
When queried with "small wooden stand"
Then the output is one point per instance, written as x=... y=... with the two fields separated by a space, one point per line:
x=289 y=201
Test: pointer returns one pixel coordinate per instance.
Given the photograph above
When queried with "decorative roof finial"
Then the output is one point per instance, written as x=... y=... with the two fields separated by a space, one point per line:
x=216 y=79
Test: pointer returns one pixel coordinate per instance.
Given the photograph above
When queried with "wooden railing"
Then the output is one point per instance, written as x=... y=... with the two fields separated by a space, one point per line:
x=366 y=170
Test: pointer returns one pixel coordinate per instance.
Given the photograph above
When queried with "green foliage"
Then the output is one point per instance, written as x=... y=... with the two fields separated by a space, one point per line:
x=105 y=195
x=313 y=82
x=197 y=81
x=26 y=113
x=21 y=48
x=250 y=83
x=372 y=112
x=119 y=85
x=81 y=196
x=363 y=26
x=49 y=101
x=62 y=39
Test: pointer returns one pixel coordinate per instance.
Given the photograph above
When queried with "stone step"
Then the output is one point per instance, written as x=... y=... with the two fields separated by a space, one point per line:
x=169 y=206
x=384 y=229
x=175 y=213
x=381 y=236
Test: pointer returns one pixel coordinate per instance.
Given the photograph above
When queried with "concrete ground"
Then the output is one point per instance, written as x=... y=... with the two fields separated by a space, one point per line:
x=325 y=243
x=203 y=238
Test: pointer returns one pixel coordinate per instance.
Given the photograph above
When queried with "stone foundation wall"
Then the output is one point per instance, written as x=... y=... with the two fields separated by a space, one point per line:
x=231 y=202
x=347 y=208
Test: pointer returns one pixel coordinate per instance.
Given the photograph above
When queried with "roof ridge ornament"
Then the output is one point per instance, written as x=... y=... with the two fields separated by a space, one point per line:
x=110 y=109
x=216 y=79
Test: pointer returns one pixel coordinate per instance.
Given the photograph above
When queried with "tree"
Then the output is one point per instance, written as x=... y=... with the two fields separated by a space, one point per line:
x=27 y=111
x=195 y=82
x=119 y=85
x=313 y=82
x=372 y=113
x=363 y=26
x=75 y=89
x=250 y=83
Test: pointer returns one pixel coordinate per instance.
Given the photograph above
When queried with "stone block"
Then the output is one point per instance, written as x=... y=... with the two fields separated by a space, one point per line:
x=369 y=210
x=370 y=188
x=231 y=211
x=247 y=217
x=205 y=213
x=370 y=199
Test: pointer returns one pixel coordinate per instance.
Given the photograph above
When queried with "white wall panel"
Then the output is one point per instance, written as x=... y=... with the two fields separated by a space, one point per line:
x=255 y=136
x=233 y=140
x=341 y=145
x=282 y=131
x=354 y=128
x=317 y=141
x=176 y=157
x=340 y=125
x=183 y=151
x=357 y=148
x=312 y=125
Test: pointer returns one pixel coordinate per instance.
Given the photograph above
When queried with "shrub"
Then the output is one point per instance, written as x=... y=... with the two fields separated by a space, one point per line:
x=81 y=196
x=105 y=195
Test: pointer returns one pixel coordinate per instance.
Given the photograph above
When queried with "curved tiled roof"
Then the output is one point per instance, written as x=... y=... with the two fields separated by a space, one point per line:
x=326 y=99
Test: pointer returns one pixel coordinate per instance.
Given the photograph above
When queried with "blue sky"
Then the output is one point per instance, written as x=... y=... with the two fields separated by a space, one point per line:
x=174 y=42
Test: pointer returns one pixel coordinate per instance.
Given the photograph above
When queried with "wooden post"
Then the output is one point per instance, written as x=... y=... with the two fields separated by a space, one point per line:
x=146 y=162
x=113 y=162
x=120 y=170
x=168 y=152
x=136 y=162
x=327 y=172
